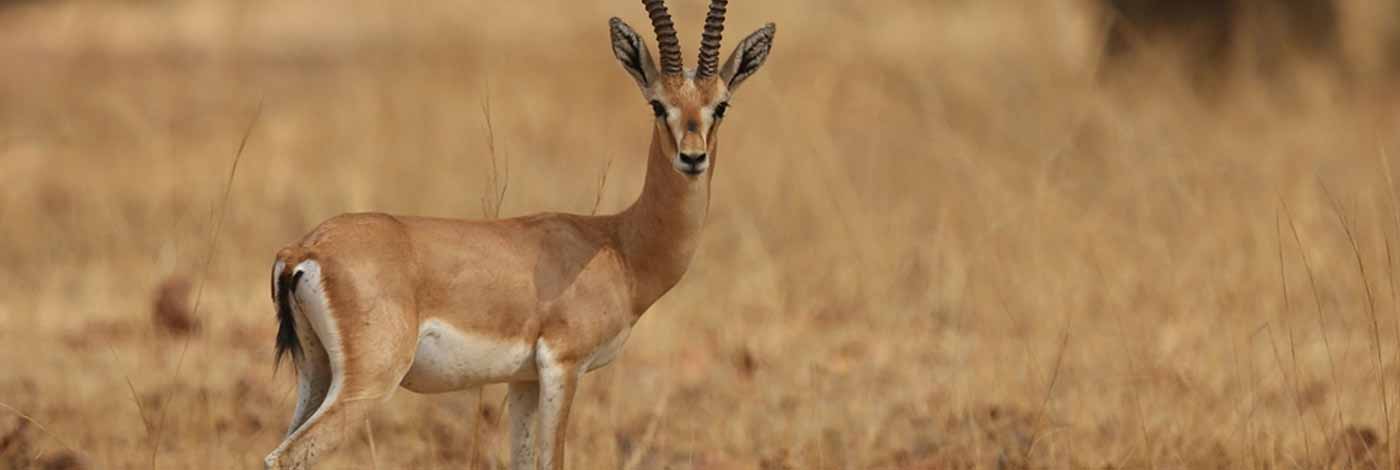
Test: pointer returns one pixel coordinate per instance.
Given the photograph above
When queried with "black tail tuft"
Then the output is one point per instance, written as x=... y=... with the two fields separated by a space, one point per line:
x=286 y=325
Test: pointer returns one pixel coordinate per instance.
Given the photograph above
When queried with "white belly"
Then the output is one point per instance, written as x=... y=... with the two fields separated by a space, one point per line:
x=448 y=359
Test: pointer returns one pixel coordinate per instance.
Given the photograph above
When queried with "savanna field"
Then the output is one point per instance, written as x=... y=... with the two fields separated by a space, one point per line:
x=943 y=234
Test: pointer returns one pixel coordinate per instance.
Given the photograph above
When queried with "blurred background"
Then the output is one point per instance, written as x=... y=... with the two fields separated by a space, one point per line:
x=944 y=233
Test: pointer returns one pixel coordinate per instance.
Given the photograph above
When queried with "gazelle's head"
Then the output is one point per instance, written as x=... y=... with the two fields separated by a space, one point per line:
x=689 y=104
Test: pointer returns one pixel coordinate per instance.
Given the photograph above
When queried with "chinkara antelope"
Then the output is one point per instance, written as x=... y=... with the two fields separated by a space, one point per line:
x=370 y=302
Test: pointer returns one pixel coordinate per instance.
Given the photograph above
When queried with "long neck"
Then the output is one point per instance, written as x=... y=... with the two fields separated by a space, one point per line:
x=659 y=232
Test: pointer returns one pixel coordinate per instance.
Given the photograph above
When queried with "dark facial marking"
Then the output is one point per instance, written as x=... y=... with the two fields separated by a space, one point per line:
x=692 y=126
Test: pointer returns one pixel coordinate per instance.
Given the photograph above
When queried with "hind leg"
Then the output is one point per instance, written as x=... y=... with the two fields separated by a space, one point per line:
x=327 y=429
x=353 y=393
x=313 y=375
x=365 y=364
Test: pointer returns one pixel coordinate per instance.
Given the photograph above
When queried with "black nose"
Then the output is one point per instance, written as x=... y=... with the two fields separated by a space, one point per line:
x=694 y=159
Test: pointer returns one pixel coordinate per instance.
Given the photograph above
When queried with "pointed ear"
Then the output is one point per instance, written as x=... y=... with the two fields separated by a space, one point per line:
x=746 y=59
x=632 y=53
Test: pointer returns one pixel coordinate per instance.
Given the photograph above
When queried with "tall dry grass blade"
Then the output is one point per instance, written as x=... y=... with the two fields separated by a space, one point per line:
x=1288 y=310
x=1282 y=268
x=1244 y=431
x=602 y=184
x=1347 y=228
x=657 y=413
x=1049 y=394
x=1384 y=158
x=204 y=274
x=41 y=427
x=1395 y=354
x=1297 y=400
x=1031 y=369
x=1321 y=316
x=1297 y=376
x=496 y=182
x=140 y=409
x=369 y=437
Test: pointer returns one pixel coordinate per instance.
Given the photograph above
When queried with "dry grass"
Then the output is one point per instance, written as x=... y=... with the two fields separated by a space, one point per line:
x=936 y=241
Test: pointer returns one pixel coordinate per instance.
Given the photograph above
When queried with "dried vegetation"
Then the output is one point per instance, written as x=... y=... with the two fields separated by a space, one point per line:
x=939 y=238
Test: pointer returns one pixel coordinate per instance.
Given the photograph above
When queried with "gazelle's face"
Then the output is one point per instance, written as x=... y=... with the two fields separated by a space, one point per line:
x=688 y=105
x=688 y=114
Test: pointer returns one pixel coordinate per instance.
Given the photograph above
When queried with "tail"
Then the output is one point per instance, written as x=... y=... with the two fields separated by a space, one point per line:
x=286 y=323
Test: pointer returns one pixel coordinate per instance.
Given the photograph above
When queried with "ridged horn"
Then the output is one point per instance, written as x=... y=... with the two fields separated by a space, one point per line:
x=666 y=41
x=710 y=40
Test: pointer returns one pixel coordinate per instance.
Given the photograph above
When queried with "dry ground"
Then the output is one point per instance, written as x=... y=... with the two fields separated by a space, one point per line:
x=936 y=240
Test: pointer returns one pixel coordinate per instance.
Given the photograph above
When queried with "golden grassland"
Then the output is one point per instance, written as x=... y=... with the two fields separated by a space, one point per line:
x=936 y=239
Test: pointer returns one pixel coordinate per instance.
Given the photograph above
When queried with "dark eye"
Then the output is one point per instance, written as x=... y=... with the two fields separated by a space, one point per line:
x=720 y=109
x=658 y=109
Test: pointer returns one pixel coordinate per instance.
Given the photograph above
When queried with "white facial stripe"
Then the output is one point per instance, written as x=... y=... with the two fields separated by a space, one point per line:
x=672 y=119
x=707 y=115
x=673 y=122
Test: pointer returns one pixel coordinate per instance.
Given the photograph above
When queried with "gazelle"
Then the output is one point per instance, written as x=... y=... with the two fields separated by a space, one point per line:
x=370 y=302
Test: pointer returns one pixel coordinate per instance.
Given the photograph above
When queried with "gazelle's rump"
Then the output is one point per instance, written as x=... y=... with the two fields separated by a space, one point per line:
x=317 y=349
